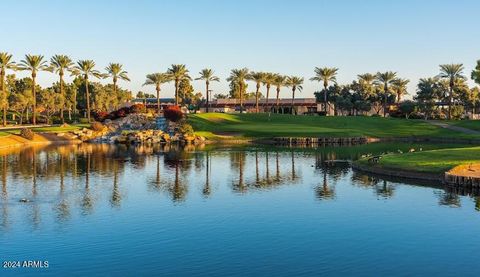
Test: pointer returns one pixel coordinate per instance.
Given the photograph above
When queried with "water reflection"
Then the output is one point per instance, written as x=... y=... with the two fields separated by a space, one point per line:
x=78 y=179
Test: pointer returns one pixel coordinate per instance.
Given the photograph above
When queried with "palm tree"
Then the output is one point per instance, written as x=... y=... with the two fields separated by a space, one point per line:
x=258 y=78
x=59 y=64
x=385 y=79
x=279 y=82
x=325 y=75
x=157 y=79
x=451 y=72
x=239 y=76
x=115 y=70
x=34 y=64
x=208 y=76
x=268 y=79
x=86 y=69
x=178 y=72
x=295 y=83
x=400 y=87
x=476 y=73
x=6 y=62
x=366 y=79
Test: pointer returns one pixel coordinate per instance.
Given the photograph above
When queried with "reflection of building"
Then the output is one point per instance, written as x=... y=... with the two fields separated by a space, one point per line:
x=301 y=105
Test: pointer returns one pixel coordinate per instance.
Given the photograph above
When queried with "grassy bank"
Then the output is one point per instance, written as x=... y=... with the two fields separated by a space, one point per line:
x=469 y=124
x=50 y=129
x=43 y=135
x=220 y=125
x=432 y=161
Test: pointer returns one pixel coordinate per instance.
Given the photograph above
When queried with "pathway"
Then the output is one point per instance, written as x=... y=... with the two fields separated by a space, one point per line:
x=445 y=125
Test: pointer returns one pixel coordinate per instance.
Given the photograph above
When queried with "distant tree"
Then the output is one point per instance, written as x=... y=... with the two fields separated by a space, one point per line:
x=237 y=78
x=34 y=64
x=325 y=75
x=157 y=79
x=86 y=69
x=476 y=73
x=407 y=108
x=385 y=79
x=258 y=78
x=178 y=72
x=208 y=76
x=187 y=94
x=6 y=63
x=50 y=102
x=294 y=83
x=20 y=103
x=280 y=81
x=59 y=64
x=116 y=72
x=400 y=88
x=268 y=80
x=220 y=96
x=451 y=72
x=427 y=95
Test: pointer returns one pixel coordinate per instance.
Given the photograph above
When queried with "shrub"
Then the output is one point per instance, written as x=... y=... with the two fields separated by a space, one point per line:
x=83 y=120
x=97 y=126
x=27 y=133
x=122 y=112
x=186 y=129
x=101 y=116
x=173 y=113
x=137 y=108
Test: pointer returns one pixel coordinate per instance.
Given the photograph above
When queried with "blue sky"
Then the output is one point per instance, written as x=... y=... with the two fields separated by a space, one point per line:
x=289 y=37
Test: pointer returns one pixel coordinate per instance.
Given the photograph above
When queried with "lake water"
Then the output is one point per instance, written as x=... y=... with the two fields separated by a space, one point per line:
x=238 y=211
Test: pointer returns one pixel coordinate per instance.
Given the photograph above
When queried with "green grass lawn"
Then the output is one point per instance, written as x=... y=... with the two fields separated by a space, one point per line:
x=469 y=124
x=432 y=161
x=51 y=129
x=264 y=126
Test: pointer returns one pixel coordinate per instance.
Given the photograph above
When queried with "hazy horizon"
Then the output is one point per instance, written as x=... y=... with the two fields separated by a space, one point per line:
x=288 y=37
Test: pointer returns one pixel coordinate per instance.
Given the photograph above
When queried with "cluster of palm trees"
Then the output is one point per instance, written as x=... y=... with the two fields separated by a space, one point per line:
x=59 y=64
x=387 y=81
x=240 y=76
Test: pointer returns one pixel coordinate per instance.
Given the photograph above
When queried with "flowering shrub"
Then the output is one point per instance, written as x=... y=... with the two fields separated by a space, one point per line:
x=101 y=116
x=173 y=113
x=137 y=108
x=122 y=112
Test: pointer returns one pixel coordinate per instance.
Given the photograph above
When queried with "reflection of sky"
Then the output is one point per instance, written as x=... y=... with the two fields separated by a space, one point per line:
x=281 y=229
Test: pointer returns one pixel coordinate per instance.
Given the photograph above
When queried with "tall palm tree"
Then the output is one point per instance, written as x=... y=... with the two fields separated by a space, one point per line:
x=6 y=63
x=239 y=76
x=34 y=64
x=400 y=87
x=279 y=82
x=208 y=76
x=258 y=78
x=325 y=75
x=86 y=69
x=385 y=79
x=295 y=83
x=59 y=64
x=178 y=72
x=268 y=79
x=115 y=70
x=451 y=72
x=157 y=79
